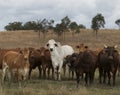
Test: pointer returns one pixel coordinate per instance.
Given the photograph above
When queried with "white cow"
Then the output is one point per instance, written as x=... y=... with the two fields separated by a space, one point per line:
x=58 y=53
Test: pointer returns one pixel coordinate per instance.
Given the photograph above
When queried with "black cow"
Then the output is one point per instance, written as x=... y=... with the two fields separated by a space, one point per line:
x=108 y=60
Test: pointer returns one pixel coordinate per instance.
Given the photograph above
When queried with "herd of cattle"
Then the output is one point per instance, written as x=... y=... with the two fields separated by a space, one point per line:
x=55 y=57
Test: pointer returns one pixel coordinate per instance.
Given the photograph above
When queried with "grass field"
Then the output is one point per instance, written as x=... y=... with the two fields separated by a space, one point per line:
x=37 y=86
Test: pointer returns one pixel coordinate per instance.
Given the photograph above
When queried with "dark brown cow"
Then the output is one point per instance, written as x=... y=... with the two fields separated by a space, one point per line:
x=108 y=60
x=119 y=66
x=70 y=59
x=16 y=62
x=35 y=61
x=46 y=62
x=85 y=63
x=40 y=58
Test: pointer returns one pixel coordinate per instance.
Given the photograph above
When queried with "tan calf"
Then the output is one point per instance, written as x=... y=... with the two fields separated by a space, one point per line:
x=18 y=62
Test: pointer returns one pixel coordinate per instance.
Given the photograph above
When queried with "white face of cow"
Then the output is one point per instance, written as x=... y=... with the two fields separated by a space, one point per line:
x=52 y=45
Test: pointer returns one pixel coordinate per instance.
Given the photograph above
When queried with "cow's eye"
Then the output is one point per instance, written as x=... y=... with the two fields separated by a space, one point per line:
x=47 y=45
x=56 y=45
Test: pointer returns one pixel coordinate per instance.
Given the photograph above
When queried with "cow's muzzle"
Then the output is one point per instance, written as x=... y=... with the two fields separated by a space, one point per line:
x=111 y=57
x=51 y=49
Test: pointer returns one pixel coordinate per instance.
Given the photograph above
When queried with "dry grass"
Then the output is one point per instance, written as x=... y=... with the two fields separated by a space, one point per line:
x=15 y=39
x=36 y=86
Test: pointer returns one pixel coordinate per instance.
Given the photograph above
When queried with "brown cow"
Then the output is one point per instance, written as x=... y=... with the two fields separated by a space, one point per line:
x=3 y=52
x=46 y=62
x=35 y=61
x=85 y=63
x=108 y=60
x=17 y=63
x=69 y=60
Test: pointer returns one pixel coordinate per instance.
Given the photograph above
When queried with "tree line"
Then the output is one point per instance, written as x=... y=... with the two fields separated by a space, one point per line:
x=42 y=26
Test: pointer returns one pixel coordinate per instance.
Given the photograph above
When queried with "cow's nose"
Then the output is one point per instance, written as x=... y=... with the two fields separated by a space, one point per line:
x=51 y=49
x=25 y=58
x=111 y=57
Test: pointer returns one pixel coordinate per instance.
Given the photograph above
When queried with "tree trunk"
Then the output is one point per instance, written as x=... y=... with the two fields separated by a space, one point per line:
x=96 y=34
x=39 y=38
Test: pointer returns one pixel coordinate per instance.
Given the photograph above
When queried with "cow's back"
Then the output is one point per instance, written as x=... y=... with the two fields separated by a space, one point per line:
x=3 y=52
x=13 y=59
x=67 y=50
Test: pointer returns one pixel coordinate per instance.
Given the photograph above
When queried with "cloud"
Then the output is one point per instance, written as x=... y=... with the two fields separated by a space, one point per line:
x=80 y=11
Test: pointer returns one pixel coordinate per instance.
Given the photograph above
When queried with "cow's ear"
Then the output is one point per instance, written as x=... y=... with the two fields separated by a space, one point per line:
x=77 y=46
x=105 y=46
x=56 y=44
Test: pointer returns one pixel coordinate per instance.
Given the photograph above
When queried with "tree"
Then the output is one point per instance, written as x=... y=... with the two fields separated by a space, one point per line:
x=58 y=30
x=14 y=26
x=73 y=26
x=97 y=22
x=43 y=26
x=81 y=26
x=118 y=22
x=30 y=25
x=65 y=22
x=50 y=24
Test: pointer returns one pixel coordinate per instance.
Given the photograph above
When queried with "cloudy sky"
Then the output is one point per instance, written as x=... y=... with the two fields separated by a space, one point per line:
x=81 y=11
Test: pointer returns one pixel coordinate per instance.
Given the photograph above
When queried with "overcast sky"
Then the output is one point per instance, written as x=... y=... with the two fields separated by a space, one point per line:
x=81 y=11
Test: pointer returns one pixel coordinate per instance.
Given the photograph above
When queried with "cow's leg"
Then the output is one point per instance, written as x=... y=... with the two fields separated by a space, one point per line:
x=29 y=75
x=64 y=69
x=59 y=75
x=5 y=67
x=118 y=71
x=72 y=74
x=82 y=76
x=77 y=78
x=9 y=77
x=59 y=70
x=55 y=73
x=90 y=77
x=52 y=72
x=104 y=80
x=114 y=77
x=100 y=75
x=69 y=72
x=19 y=78
x=86 y=79
x=40 y=71
x=109 y=77
x=44 y=72
x=48 y=72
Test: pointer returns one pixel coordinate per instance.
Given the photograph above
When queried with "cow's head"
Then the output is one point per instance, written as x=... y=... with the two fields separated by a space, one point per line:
x=25 y=53
x=51 y=45
x=110 y=51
